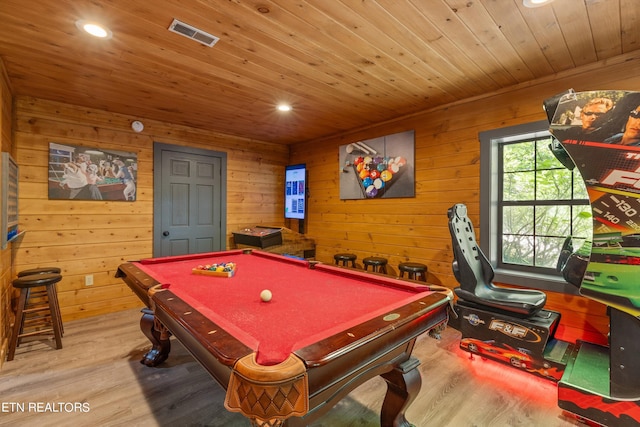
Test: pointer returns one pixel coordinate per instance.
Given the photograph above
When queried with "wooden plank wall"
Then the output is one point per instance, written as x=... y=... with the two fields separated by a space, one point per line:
x=447 y=172
x=6 y=145
x=94 y=237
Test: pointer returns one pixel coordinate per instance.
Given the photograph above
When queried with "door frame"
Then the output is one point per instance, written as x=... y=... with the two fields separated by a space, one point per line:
x=158 y=148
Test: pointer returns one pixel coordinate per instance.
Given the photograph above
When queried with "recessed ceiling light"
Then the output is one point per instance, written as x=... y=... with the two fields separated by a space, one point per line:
x=535 y=3
x=284 y=107
x=94 y=29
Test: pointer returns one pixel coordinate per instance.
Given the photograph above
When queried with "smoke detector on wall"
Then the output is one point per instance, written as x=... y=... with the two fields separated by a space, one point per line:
x=194 y=33
x=137 y=126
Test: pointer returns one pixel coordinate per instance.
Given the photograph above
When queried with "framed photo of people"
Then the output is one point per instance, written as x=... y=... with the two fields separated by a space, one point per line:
x=82 y=173
x=378 y=168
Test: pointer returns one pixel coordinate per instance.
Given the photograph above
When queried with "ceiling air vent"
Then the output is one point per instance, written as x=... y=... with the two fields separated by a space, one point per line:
x=193 y=33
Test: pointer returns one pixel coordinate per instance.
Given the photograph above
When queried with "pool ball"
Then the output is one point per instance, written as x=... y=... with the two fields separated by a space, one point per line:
x=368 y=159
x=371 y=191
x=401 y=161
x=394 y=168
x=265 y=295
x=358 y=160
x=381 y=167
x=386 y=175
x=374 y=174
x=367 y=181
x=364 y=173
x=378 y=183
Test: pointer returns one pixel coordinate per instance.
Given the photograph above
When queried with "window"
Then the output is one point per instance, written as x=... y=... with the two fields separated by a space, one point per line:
x=529 y=204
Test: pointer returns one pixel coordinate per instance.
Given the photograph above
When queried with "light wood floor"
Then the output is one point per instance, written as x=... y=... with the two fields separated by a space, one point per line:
x=99 y=366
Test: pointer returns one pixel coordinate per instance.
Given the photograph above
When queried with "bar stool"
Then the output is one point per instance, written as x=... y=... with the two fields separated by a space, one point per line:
x=345 y=259
x=46 y=270
x=414 y=270
x=378 y=264
x=35 y=315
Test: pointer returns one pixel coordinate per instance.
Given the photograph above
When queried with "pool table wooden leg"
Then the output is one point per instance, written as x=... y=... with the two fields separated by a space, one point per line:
x=403 y=385
x=159 y=335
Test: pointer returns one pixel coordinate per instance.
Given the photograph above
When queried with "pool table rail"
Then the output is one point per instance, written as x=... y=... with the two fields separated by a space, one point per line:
x=411 y=320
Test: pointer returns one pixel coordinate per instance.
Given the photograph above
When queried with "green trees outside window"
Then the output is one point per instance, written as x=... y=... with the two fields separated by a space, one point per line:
x=539 y=204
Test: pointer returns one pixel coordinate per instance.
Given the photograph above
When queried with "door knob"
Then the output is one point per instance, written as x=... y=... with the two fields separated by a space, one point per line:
x=165 y=233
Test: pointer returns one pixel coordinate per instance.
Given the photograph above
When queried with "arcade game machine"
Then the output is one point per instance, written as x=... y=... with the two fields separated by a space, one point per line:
x=597 y=383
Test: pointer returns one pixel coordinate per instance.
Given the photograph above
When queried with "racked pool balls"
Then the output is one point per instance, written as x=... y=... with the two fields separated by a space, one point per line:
x=376 y=172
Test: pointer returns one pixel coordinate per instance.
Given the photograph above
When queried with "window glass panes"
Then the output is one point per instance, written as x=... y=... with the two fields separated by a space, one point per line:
x=518 y=250
x=554 y=220
x=544 y=157
x=517 y=220
x=579 y=189
x=519 y=157
x=553 y=184
x=541 y=203
x=547 y=251
x=582 y=221
x=519 y=186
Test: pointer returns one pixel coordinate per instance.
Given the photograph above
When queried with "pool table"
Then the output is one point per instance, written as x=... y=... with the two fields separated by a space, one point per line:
x=326 y=330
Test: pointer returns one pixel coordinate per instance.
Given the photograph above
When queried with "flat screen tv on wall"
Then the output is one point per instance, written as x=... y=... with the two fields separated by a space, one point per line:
x=295 y=191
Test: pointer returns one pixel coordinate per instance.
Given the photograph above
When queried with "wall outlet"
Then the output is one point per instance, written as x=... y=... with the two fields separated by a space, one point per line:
x=88 y=280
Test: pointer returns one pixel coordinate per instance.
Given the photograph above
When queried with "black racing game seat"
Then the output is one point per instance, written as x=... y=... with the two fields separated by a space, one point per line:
x=475 y=274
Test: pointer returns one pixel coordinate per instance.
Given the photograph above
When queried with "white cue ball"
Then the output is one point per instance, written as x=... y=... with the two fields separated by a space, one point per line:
x=265 y=295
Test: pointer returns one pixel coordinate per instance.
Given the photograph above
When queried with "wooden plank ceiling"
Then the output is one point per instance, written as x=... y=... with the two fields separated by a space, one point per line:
x=342 y=64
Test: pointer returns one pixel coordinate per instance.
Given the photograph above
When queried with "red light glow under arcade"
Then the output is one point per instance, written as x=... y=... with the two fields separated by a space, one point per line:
x=525 y=386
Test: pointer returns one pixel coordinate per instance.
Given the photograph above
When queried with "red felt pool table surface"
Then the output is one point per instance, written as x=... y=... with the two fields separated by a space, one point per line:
x=308 y=305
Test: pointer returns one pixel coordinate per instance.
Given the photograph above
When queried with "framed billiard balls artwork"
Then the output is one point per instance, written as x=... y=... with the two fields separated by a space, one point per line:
x=83 y=173
x=377 y=168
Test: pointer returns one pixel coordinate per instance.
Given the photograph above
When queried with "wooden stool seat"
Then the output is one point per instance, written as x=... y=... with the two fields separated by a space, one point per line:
x=345 y=259
x=414 y=270
x=41 y=270
x=378 y=264
x=46 y=270
x=36 y=317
